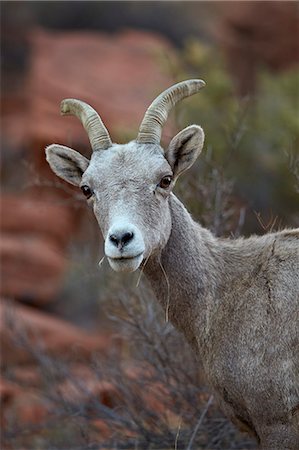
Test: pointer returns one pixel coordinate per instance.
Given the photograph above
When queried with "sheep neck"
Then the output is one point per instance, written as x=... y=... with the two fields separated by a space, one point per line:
x=182 y=275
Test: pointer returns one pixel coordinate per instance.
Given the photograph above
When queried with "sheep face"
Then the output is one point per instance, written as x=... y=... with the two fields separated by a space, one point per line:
x=128 y=187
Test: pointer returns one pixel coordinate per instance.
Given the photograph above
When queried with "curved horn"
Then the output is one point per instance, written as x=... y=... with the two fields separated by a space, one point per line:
x=97 y=133
x=156 y=115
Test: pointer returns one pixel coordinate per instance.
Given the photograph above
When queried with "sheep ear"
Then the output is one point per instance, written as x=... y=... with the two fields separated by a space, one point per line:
x=184 y=148
x=66 y=163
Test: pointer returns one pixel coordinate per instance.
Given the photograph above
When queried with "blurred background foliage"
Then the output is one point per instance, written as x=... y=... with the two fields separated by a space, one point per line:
x=251 y=140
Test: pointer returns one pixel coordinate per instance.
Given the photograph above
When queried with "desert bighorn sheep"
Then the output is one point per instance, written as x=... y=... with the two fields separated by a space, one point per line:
x=235 y=300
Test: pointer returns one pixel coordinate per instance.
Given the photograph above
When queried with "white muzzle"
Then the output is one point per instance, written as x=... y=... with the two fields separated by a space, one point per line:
x=124 y=247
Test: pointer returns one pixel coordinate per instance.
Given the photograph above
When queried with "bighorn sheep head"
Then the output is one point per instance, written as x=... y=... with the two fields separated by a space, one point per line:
x=129 y=185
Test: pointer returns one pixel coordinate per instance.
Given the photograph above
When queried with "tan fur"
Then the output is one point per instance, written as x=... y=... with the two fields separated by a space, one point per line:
x=236 y=301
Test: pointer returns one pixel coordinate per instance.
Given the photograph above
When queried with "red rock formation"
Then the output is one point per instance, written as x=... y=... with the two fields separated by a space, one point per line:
x=119 y=75
x=32 y=249
x=259 y=34
x=24 y=215
x=32 y=268
x=106 y=70
x=25 y=331
x=109 y=72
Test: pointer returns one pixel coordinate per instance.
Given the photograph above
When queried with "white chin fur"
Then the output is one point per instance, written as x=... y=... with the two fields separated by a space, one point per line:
x=125 y=265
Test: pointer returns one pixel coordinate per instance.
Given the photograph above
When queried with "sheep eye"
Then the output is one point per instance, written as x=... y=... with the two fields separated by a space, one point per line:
x=86 y=191
x=165 y=182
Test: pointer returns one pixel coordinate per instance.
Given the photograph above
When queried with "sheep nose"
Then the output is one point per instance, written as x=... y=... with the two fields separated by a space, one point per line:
x=120 y=240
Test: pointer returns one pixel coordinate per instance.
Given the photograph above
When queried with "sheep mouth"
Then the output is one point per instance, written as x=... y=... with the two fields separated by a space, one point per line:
x=125 y=258
x=126 y=263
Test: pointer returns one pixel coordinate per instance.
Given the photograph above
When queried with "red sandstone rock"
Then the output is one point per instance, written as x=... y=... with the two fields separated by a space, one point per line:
x=31 y=268
x=28 y=400
x=26 y=375
x=79 y=385
x=110 y=74
x=271 y=41
x=29 y=407
x=25 y=330
x=8 y=390
x=32 y=250
x=104 y=432
x=118 y=74
x=24 y=215
x=83 y=384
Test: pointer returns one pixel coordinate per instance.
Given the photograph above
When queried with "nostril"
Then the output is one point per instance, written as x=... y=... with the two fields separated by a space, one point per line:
x=127 y=237
x=114 y=239
x=120 y=240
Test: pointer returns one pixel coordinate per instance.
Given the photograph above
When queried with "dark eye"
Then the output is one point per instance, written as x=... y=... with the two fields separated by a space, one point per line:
x=86 y=191
x=165 y=182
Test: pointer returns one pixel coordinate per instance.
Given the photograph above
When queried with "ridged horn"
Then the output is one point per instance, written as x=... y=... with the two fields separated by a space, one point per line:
x=97 y=132
x=156 y=115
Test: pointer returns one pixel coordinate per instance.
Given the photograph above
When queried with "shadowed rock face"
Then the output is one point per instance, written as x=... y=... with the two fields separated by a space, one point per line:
x=107 y=64
x=37 y=231
x=54 y=359
x=33 y=345
x=55 y=336
x=249 y=44
x=34 y=236
x=36 y=226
